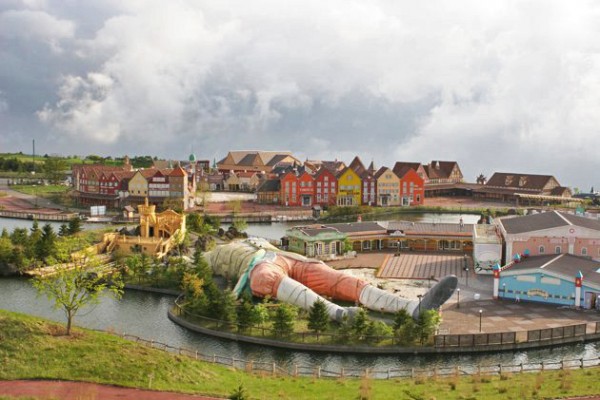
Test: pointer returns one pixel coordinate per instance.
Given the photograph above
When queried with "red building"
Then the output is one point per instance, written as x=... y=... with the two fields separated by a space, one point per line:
x=289 y=189
x=412 y=187
x=306 y=183
x=325 y=185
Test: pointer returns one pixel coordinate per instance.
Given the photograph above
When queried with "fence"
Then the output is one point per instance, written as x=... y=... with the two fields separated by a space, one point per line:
x=295 y=370
x=480 y=340
x=268 y=333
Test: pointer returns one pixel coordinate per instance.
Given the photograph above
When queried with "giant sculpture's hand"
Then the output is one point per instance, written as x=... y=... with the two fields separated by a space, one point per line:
x=267 y=271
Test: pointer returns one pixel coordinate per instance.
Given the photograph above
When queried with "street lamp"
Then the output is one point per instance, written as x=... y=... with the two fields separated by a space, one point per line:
x=504 y=290
x=458 y=298
x=466 y=268
x=480 y=313
x=419 y=296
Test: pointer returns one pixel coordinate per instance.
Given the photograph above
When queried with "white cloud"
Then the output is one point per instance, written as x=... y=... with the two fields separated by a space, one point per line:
x=34 y=25
x=497 y=86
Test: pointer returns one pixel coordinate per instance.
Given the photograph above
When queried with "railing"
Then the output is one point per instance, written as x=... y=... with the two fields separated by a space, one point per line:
x=389 y=373
x=296 y=337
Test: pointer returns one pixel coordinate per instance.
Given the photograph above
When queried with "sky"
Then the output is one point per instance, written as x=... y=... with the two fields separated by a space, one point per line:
x=499 y=86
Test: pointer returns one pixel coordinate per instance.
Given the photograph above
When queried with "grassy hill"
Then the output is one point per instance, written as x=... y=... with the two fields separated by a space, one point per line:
x=31 y=348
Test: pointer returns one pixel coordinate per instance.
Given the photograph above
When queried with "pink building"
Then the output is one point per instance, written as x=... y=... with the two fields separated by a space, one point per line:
x=551 y=232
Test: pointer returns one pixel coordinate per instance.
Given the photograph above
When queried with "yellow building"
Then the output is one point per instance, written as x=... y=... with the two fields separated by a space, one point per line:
x=388 y=187
x=348 y=188
x=138 y=185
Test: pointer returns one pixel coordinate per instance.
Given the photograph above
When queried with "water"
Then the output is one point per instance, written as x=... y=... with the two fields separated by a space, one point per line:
x=145 y=315
x=12 y=223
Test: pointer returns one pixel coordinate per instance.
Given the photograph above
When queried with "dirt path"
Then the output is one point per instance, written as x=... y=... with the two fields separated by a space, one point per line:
x=46 y=390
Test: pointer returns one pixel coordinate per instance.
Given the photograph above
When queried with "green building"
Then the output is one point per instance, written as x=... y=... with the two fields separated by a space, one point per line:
x=317 y=241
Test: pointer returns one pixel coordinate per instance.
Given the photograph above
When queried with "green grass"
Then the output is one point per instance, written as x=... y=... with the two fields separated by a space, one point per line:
x=31 y=348
x=40 y=190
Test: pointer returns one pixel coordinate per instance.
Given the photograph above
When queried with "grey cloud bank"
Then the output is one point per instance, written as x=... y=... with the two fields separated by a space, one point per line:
x=498 y=86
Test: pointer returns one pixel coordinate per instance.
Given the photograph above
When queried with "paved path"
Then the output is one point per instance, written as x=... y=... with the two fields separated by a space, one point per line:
x=508 y=316
x=43 y=390
x=423 y=265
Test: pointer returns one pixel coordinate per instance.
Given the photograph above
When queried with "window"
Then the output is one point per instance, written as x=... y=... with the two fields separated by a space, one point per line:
x=557 y=250
x=584 y=251
x=542 y=250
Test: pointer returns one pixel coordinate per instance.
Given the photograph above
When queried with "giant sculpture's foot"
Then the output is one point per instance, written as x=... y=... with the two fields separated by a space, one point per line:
x=437 y=295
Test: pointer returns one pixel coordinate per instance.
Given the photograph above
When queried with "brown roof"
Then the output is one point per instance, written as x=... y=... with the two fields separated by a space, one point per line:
x=440 y=169
x=177 y=171
x=403 y=166
x=357 y=166
x=520 y=181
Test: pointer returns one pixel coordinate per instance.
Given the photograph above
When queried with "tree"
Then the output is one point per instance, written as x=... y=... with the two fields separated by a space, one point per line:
x=239 y=224
x=74 y=226
x=428 y=323
x=283 y=319
x=377 y=330
x=76 y=287
x=318 y=319
x=401 y=318
x=360 y=324
x=45 y=247
x=54 y=168
x=246 y=316
x=63 y=230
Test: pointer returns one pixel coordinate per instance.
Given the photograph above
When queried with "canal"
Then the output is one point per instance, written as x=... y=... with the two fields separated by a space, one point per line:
x=145 y=315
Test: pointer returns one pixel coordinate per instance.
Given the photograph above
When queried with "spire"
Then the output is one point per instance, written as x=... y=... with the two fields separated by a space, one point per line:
x=371 y=168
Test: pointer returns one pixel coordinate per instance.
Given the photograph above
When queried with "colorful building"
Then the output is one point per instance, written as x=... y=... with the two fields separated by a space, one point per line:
x=388 y=188
x=317 y=241
x=412 y=188
x=349 y=188
x=551 y=232
x=561 y=279
x=325 y=185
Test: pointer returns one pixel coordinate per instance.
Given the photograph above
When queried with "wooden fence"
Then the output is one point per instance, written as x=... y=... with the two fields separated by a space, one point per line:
x=294 y=370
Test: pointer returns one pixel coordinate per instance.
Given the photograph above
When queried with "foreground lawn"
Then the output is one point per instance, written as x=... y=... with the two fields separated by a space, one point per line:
x=31 y=348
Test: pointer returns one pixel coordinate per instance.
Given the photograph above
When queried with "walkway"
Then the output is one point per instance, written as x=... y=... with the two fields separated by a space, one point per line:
x=508 y=316
x=422 y=265
x=46 y=390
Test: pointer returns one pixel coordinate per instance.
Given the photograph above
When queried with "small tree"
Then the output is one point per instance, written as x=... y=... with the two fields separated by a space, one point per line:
x=360 y=324
x=239 y=224
x=74 y=226
x=72 y=289
x=318 y=319
x=283 y=319
x=428 y=323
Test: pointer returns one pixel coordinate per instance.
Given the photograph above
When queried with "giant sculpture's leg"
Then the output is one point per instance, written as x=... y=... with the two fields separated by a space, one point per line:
x=331 y=283
x=269 y=279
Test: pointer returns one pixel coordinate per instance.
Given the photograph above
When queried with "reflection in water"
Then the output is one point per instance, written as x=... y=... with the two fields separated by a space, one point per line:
x=145 y=315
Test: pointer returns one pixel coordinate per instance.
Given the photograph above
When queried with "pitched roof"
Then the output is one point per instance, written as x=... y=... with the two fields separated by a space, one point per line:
x=177 y=171
x=270 y=185
x=563 y=264
x=382 y=171
x=357 y=166
x=546 y=220
x=267 y=157
x=401 y=167
x=440 y=169
x=356 y=227
x=520 y=181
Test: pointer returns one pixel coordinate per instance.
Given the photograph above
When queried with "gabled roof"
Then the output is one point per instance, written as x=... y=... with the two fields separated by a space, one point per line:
x=269 y=185
x=178 y=171
x=519 y=181
x=382 y=171
x=401 y=167
x=566 y=265
x=440 y=169
x=354 y=227
x=546 y=220
x=357 y=166
x=330 y=165
x=324 y=170
x=264 y=157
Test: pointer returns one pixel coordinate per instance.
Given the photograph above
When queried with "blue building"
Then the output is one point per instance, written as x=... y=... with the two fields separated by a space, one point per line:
x=552 y=279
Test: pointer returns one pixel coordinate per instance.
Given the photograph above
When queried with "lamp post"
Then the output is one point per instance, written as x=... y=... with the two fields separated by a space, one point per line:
x=466 y=268
x=458 y=298
x=419 y=296
x=504 y=290
x=480 y=313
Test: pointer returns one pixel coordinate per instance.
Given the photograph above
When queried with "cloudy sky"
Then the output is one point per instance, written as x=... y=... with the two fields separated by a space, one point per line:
x=510 y=86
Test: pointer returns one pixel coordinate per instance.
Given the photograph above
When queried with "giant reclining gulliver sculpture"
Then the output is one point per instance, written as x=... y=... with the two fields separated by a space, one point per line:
x=265 y=270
